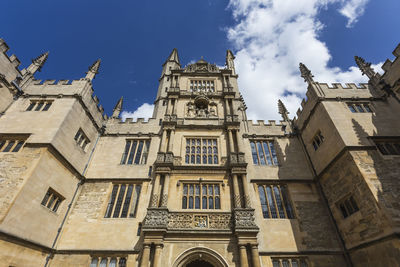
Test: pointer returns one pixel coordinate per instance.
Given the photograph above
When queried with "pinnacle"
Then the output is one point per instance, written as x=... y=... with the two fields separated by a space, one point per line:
x=306 y=73
x=117 y=109
x=282 y=108
x=365 y=67
x=95 y=66
x=40 y=60
x=174 y=56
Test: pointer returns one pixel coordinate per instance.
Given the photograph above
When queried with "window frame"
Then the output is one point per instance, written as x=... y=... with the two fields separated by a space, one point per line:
x=385 y=144
x=300 y=261
x=317 y=140
x=117 y=201
x=347 y=206
x=272 y=204
x=39 y=105
x=270 y=158
x=52 y=200
x=359 y=107
x=196 y=85
x=127 y=155
x=100 y=258
x=81 y=139
x=17 y=143
x=194 y=195
x=199 y=156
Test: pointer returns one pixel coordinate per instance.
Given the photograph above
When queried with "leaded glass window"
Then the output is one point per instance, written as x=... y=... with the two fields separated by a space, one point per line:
x=201 y=151
x=135 y=152
x=275 y=202
x=263 y=152
x=201 y=196
x=123 y=201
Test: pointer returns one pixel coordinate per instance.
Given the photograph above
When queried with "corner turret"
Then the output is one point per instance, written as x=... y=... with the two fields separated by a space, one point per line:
x=171 y=63
x=230 y=65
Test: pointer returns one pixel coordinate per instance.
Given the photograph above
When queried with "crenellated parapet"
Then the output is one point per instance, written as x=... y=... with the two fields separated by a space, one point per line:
x=392 y=70
x=8 y=64
x=265 y=129
x=140 y=127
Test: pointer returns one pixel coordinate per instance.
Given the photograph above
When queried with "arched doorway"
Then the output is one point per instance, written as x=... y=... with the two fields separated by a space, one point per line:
x=200 y=257
x=199 y=263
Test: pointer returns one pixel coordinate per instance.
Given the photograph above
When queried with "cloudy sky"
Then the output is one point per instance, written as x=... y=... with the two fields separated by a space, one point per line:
x=268 y=37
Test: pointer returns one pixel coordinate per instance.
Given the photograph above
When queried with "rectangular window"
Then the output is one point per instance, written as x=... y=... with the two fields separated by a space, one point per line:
x=39 y=105
x=359 y=107
x=275 y=202
x=123 y=201
x=108 y=262
x=135 y=152
x=81 y=139
x=52 y=200
x=348 y=206
x=387 y=146
x=317 y=140
x=202 y=86
x=201 y=196
x=287 y=262
x=11 y=145
x=201 y=151
x=263 y=152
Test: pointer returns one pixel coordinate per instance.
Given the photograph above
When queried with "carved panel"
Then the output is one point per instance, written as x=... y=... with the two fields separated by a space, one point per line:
x=156 y=218
x=244 y=219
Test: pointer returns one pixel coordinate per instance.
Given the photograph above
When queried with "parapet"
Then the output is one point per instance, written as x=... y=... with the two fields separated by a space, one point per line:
x=392 y=68
x=115 y=126
x=270 y=128
x=8 y=64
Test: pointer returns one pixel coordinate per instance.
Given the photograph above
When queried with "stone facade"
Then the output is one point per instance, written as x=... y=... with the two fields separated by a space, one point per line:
x=198 y=182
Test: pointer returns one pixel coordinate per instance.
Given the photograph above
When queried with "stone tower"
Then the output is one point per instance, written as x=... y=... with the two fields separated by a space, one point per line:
x=198 y=184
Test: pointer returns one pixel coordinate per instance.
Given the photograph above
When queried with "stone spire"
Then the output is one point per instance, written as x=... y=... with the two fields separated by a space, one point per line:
x=306 y=73
x=37 y=63
x=283 y=111
x=229 y=61
x=365 y=67
x=173 y=57
x=93 y=70
x=117 y=109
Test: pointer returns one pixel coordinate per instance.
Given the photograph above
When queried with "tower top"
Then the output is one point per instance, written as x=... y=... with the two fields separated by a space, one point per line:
x=173 y=57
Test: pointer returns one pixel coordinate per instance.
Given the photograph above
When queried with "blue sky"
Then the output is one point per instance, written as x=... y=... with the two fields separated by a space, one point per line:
x=269 y=38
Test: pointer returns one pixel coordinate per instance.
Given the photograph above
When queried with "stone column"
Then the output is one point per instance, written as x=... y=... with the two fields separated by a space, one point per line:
x=156 y=190
x=171 y=140
x=157 y=254
x=163 y=141
x=164 y=199
x=243 y=256
x=236 y=193
x=231 y=144
x=255 y=256
x=169 y=106
x=239 y=144
x=174 y=106
x=246 y=197
x=145 y=256
x=228 y=108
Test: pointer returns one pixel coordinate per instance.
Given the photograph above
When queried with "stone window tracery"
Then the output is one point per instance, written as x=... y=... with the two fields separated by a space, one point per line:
x=201 y=151
x=201 y=196
x=11 y=145
x=275 y=202
x=359 y=107
x=123 y=201
x=289 y=262
x=263 y=152
x=81 y=139
x=317 y=140
x=136 y=151
x=39 y=105
x=348 y=206
x=202 y=86
x=52 y=200
x=108 y=262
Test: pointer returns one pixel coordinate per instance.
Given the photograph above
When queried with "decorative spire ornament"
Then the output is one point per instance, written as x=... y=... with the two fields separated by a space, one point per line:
x=283 y=111
x=93 y=70
x=37 y=63
x=117 y=109
x=306 y=73
x=365 y=67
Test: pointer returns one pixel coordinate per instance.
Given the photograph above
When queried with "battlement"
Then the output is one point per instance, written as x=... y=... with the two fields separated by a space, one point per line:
x=270 y=128
x=392 y=68
x=8 y=64
x=134 y=127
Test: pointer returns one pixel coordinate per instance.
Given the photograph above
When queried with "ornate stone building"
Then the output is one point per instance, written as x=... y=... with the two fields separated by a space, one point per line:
x=198 y=184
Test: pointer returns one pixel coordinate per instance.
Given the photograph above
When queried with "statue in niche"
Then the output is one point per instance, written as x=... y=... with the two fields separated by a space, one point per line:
x=191 y=110
x=213 y=111
x=202 y=112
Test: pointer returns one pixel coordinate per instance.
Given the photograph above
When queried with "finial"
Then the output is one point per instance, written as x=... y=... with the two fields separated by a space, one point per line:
x=117 y=109
x=306 y=73
x=173 y=57
x=93 y=70
x=229 y=61
x=283 y=110
x=37 y=63
x=365 y=67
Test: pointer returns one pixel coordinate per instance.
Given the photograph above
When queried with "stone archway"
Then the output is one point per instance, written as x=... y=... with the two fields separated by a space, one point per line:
x=194 y=257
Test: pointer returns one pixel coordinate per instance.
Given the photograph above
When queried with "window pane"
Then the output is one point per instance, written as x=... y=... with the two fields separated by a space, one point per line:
x=275 y=263
x=127 y=201
x=271 y=203
x=47 y=106
x=111 y=202
x=260 y=153
x=217 y=203
x=113 y=263
x=184 y=202
x=267 y=155
x=294 y=263
x=30 y=106
x=263 y=201
x=135 y=200
x=191 y=189
x=303 y=263
x=190 y=202
x=187 y=159
x=119 y=201
x=145 y=152
x=94 y=262
x=391 y=149
x=132 y=152
x=254 y=153
x=216 y=188
x=46 y=198
x=359 y=108
x=289 y=210
x=285 y=263
x=122 y=262
x=343 y=210
x=197 y=202
x=279 y=202
x=18 y=146
x=366 y=107
x=204 y=204
x=352 y=108
x=139 y=152
x=103 y=263
x=9 y=146
x=2 y=143
x=210 y=203
x=382 y=149
x=39 y=106
x=273 y=152
x=55 y=208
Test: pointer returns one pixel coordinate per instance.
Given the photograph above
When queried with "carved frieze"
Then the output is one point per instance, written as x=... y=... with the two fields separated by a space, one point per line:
x=244 y=219
x=214 y=221
x=156 y=218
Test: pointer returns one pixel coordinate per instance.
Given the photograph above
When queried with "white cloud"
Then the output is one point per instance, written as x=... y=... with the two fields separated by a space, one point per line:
x=352 y=10
x=144 y=111
x=271 y=38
